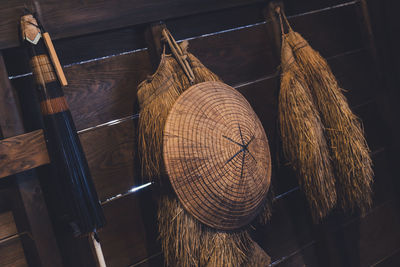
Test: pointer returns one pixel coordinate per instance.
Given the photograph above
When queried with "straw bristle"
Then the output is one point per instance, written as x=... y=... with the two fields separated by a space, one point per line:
x=266 y=211
x=156 y=97
x=349 y=150
x=187 y=242
x=304 y=144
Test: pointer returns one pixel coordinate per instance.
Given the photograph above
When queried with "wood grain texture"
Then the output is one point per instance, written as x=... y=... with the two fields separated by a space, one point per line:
x=389 y=261
x=130 y=234
x=291 y=231
x=12 y=254
x=304 y=257
x=104 y=90
x=10 y=120
x=154 y=260
x=362 y=242
x=7 y=224
x=71 y=18
x=64 y=19
x=112 y=158
x=250 y=55
x=11 y=251
x=32 y=215
x=110 y=154
x=99 y=92
x=22 y=152
x=289 y=228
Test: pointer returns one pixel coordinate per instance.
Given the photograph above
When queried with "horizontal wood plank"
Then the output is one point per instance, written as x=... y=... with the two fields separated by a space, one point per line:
x=22 y=152
x=7 y=225
x=104 y=90
x=130 y=234
x=363 y=242
x=64 y=19
x=100 y=92
x=389 y=261
x=10 y=120
x=358 y=243
x=306 y=256
x=288 y=232
x=12 y=254
x=71 y=18
x=289 y=228
x=249 y=52
x=113 y=157
x=152 y=261
x=110 y=154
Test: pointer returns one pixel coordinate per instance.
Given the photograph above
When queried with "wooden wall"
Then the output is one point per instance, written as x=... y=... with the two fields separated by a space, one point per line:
x=102 y=47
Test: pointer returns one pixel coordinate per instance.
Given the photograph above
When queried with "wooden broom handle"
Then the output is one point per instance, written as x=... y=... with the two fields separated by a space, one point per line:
x=179 y=54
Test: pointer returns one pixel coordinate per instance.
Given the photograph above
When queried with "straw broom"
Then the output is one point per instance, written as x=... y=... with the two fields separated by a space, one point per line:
x=199 y=245
x=156 y=97
x=303 y=141
x=185 y=241
x=196 y=244
x=349 y=149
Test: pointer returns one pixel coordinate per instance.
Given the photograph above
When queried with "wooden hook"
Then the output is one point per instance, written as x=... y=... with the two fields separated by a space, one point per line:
x=153 y=36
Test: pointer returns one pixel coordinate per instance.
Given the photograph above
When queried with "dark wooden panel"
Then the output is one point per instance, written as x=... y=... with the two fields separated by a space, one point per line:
x=70 y=18
x=152 y=261
x=130 y=234
x=99 y=92
x=12 y=254
x=389 y=261
x=11 y=251
x=10 y=121
x=356 y=243
x=7 y=225
x=247 y=54
x=289 y=228
x=363 y=242
x=22 y=152
x=80 y=48
x=10 y=13
x=112 y=158
x=31 y=215
x=375 y=128
x=288 y=238
x=104 y=90
x=304 y=257
x=263 y=97
x=76 y=50
x=110 y=154
x=356 y=75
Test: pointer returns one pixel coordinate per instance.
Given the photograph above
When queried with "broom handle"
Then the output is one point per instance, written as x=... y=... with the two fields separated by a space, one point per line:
x=281 y=14
x=179 y=55
x=97 y=250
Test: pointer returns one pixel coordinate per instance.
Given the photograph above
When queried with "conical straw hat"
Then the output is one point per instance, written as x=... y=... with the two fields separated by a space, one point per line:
x=217 y=156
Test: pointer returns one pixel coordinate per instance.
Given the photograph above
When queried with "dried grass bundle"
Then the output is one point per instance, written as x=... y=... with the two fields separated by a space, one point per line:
x=302 y=133
x=187 y=242
x=349 y=149
x=156 y=96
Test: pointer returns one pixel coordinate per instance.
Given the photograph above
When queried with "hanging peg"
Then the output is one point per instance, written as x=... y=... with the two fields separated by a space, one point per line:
x=271 y=17
x=153 y=36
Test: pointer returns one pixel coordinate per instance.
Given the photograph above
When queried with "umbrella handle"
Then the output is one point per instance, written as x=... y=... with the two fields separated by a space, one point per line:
x=97 y=250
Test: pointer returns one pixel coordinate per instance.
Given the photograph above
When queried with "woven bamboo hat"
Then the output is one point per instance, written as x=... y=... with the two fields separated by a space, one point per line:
x=217 y=156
